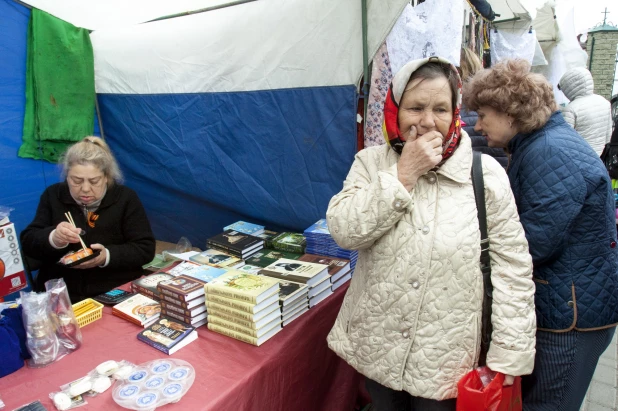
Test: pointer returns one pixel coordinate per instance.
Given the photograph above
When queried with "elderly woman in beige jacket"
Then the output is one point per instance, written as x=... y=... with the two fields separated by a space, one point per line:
x=411 y=319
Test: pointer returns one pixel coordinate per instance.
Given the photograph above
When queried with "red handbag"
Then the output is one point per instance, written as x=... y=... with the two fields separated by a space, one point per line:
x=475 y=396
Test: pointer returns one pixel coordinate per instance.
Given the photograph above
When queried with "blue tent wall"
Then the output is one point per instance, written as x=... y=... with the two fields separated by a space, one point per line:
x=202 y=161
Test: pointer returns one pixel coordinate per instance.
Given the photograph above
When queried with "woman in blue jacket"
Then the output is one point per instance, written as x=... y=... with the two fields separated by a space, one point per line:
x=566 y=205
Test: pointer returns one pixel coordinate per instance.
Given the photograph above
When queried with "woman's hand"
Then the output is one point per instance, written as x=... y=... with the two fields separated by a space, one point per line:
x=96 y=261
x=65 y=233
x=419 y=155
x=508 y=380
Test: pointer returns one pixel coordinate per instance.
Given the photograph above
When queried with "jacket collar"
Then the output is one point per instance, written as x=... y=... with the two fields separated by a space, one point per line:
x=521 y=140
x=111 y=196
x=459 y=166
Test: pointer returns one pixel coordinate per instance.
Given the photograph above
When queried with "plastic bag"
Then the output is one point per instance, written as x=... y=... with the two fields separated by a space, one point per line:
x=67 y=329
x=182 y=246
x=475 y=396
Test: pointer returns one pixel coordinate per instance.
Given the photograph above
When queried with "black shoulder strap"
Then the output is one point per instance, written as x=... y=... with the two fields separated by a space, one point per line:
x=478 y=185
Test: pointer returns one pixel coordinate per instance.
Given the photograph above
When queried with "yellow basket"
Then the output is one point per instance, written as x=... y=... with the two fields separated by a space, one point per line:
x=89 y=316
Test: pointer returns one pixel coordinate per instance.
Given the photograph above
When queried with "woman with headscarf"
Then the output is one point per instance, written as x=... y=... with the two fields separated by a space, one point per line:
x=566 y=206
x=411 y=319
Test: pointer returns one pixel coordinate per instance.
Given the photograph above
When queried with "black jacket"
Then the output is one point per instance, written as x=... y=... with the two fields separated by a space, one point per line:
x=479 y=143
x=122 y=227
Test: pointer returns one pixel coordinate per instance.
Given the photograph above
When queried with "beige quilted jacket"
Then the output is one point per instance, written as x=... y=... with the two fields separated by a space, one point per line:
x=411 y=317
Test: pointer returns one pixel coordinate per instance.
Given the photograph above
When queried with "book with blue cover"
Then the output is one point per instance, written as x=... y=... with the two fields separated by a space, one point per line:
x=205 y=273
x=320 y=227
x=168 y=335
x=246 y=228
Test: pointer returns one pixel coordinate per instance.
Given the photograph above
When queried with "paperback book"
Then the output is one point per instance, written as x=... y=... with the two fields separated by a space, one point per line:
x=246 y=228
x=217 y=258
x=235 y=243
x=138 y=309
x=298 y=271
x=168 y=335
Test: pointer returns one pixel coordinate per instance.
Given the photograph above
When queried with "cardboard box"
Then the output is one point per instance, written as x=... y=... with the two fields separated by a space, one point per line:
x=12 y=274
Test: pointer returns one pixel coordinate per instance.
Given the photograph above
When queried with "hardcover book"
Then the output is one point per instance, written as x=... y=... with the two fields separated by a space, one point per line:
x=251 y=269
x=242 y=286
x=188 y=305
x=268 y=236
x=298 y=271
x=266 y=257
x=288 y=320
x=171 y=307
x=302 y=303
x=251 y=332
x=246 y=228
x=317 y=229
x=290 y=292
x=294 y=242
x=183 y=287
x=200 y=272
x=217 y=258
x=236 y=243
x=138 y=309
x=320 y=297
x=342 y=281
x=168 y=335
x=218 y=318
x=188 y=320
x=337 y=267
x=319 y=287
x=220 y=309
x=148 y=285
x=243 y=305
x=244 y=337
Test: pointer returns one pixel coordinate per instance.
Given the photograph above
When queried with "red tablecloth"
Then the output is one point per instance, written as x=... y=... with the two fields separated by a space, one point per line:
x=294 y=370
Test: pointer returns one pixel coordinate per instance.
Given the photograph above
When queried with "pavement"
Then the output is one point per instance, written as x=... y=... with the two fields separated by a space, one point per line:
x=603 y=392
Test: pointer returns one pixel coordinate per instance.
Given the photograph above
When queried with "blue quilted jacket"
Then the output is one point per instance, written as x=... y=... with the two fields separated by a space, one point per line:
x=566 y=205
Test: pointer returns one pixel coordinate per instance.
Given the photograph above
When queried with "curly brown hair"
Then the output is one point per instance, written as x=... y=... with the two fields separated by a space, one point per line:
x=511 y=88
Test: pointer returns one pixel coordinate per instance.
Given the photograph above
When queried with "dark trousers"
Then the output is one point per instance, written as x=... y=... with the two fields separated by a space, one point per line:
x=563 y=369
x=387 y=399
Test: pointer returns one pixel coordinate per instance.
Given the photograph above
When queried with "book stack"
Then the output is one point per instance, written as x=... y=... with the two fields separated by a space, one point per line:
x=148 y=285
x=182 y=298
x=315 y=276
x=246 y=228
x=320 y=242
x=168 y=335
x=138 y=309
x=244 y=306
x=217 y=258
x=267 y=256
x=294 y=242
x=236 y=243
x=293 y=300
x=202 y=272
x=268 y=236
x=338 y=268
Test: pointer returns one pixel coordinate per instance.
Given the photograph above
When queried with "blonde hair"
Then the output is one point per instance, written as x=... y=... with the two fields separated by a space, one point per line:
x=509 y=87
x=469 y=64
x=94 y=151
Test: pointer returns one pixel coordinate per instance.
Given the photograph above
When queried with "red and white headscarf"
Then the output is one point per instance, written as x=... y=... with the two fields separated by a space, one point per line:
x=390 y=126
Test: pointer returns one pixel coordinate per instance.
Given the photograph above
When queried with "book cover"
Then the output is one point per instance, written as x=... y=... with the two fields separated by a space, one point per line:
x=235 y=242
x=243 y=305
x=200 y=272
x=243 y=286
x=245 y=228
x=183 y=287
x=149 y=283
x=218 y=318
x=200 y=308
x=266 y=257
x=289 y=291
x=251 y=269
x=166 y=334
x=294 y=242
x=138 y=309
x=268 y=236
x=188 y=320
x=250 y=332
x=188 y=305
x=219 y=309
x=298 y=271
x=337 y=267
x=319 y=227
x=217 y=258
x=244 y=337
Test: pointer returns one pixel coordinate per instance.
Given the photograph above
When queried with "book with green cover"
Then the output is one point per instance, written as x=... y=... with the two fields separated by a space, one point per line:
x=294 y=242
x=268 y=256
x=243 y=286
x=268 y=236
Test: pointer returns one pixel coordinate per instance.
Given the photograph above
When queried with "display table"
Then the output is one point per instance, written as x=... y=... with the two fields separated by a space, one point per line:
x=294 y=370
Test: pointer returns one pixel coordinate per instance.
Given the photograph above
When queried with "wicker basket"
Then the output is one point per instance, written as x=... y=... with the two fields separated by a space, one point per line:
x=89 y=316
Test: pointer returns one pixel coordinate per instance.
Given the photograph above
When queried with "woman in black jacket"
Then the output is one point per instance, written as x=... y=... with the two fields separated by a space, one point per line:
x=109 y=217
x=469 y=65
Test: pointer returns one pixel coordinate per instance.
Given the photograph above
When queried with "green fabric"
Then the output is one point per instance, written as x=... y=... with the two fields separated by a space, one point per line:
x=59 y=87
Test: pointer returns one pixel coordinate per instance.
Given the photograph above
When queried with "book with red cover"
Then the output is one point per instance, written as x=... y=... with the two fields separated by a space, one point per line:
x=183 y=288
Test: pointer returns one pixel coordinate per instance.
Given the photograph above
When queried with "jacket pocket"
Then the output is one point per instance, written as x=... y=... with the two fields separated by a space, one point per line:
x=354 y=311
